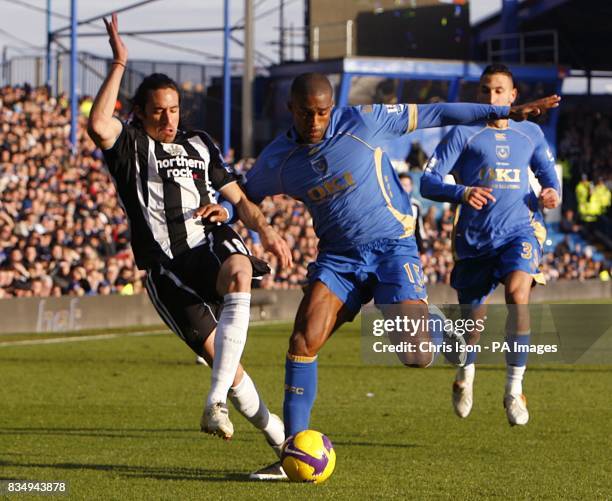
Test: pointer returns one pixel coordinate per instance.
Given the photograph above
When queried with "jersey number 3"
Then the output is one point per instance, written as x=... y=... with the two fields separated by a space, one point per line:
x=527 y=250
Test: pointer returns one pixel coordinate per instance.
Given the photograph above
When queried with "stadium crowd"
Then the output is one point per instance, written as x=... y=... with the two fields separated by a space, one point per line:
x=63 y=232
x=585 y=149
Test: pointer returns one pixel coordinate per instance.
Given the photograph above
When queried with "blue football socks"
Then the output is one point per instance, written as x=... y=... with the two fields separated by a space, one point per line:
x=300 y=392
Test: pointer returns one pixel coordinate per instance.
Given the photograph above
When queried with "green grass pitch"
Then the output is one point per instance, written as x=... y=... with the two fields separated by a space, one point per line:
x=118 y=419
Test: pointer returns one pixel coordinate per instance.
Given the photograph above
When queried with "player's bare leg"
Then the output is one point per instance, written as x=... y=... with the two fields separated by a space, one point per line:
x=234 y=284
x=428 y=339
x=517 y=291
x=319 y=314
x=413 y=309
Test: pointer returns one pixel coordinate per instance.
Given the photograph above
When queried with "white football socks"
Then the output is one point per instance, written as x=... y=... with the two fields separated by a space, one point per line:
x=247 y=401
x=229 y=343
x=465 y=374
x=514 y=379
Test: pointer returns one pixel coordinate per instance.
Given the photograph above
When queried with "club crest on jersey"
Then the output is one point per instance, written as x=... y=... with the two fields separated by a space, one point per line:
x=319 y=165
x=502 y=151
x=174 y=149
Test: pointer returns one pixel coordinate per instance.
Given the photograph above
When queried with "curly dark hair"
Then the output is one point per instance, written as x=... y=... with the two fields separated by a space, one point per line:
x=152 y=82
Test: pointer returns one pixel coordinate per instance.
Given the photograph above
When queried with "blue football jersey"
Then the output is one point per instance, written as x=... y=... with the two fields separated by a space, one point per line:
x=479 y=155
x=347 y=181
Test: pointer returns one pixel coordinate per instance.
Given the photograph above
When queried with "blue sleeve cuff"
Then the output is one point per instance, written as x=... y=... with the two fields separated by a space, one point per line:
x=230 y=211
x=255 y=237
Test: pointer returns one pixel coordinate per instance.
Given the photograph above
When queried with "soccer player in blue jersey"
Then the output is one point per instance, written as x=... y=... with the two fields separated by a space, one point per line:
x=498 y=232
x=331 y=160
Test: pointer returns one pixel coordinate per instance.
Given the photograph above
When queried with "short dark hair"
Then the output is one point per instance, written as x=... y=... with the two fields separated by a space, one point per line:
x=152 y=82
x=307 y=83
x=494 y=69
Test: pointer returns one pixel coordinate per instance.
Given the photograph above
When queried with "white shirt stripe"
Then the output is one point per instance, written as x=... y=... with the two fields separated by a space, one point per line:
x=154 y=213
x=202 y=149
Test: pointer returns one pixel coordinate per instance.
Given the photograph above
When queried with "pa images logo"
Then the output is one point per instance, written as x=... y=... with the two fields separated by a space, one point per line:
x=502 y=151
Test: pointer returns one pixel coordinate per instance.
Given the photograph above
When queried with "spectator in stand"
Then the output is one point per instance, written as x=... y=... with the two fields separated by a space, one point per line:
x=593 y=201
x=568 y=223
x=601 y=195
x=417 y=157
x=583 y=199
x=63 y=232
x=59 y=219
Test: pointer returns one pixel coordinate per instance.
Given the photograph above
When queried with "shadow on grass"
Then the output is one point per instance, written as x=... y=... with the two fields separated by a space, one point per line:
x=155 y=433
x=351 y=443
x=130 y=471
x=97 y=432
x=132 y=433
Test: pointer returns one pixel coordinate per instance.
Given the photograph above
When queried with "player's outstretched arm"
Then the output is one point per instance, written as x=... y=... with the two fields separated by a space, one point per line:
x=534 y=108
x=254 y=220
x=102 y=126
x=443 y=114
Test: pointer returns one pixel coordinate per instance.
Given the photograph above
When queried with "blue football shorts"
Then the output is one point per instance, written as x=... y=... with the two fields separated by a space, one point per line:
x=475 y=279
x=389 y=271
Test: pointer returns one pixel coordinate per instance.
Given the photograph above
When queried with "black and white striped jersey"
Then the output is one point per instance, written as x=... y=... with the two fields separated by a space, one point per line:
x=161 y=185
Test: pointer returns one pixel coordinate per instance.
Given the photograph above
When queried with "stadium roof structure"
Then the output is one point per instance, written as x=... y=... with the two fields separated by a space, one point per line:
x=410 y=69
x=583 y=28
x=453 y=71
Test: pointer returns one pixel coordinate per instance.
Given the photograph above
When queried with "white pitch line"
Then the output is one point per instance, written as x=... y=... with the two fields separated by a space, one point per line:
x=98 y=337
x=73 y=339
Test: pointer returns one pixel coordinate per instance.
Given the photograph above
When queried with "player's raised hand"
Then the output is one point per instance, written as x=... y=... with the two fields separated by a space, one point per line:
x=215 y=213
x=120 y=52
x=534 y=108
x=477 y=196
x=274 y=243
x=549 y=198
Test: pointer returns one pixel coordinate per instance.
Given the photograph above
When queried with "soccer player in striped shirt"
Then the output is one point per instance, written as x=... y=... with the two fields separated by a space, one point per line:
x=198 y=270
